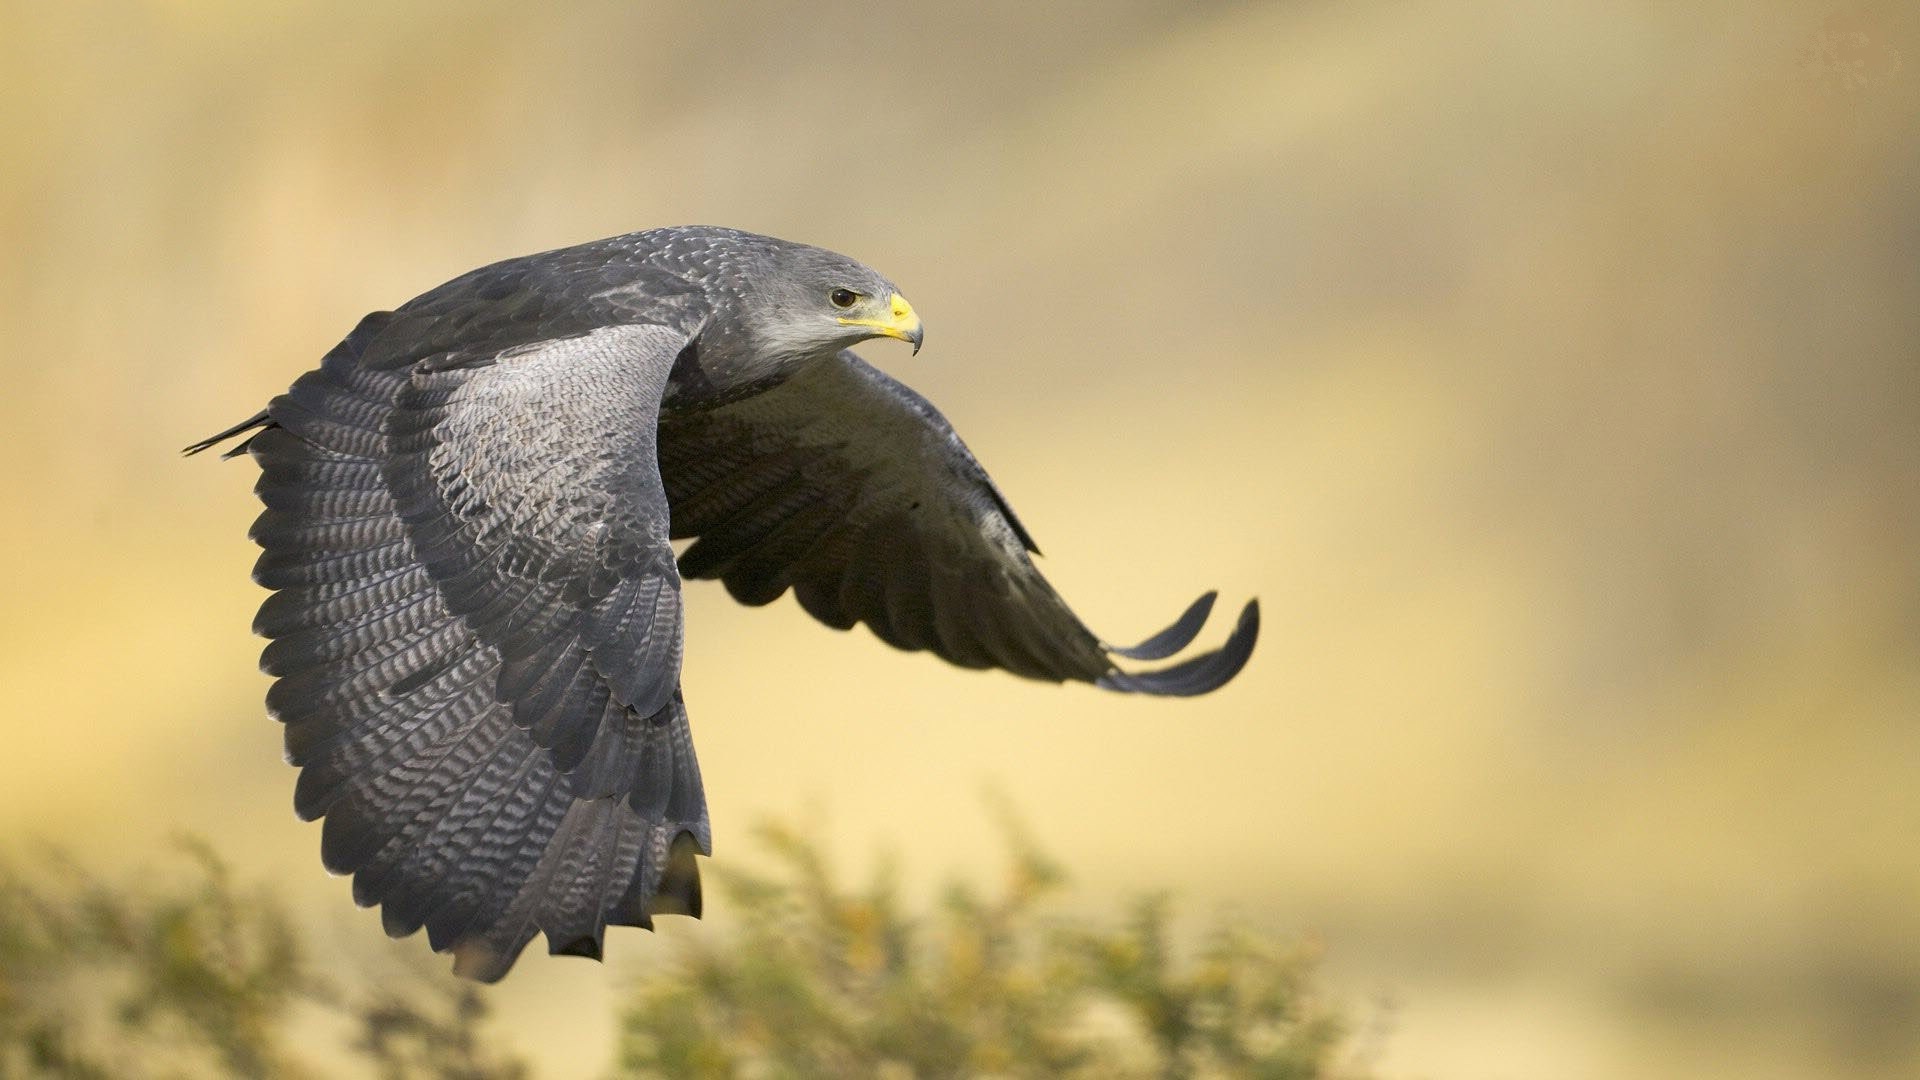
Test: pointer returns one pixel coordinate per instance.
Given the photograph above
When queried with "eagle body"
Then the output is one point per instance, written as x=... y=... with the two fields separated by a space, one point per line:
x=475 y=621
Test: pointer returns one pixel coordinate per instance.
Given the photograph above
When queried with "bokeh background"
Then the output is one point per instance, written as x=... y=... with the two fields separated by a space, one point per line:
x=1550 y=372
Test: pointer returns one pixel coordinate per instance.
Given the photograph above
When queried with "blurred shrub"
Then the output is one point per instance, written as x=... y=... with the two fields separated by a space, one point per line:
x=192 y=976
x=189 y=975
x=819 y=980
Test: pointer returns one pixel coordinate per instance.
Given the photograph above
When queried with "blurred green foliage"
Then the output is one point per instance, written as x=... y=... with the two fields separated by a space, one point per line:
x=821 y=980
x=191 y=975
x=194 y=976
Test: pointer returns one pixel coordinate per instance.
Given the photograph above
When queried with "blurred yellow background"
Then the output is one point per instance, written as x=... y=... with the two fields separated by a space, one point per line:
x=1550 y=372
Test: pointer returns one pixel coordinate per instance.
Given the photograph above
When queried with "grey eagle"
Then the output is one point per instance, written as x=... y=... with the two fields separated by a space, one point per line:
x=475 y=619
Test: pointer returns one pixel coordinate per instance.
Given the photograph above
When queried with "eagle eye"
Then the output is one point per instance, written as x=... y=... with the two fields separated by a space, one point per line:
x=843 y=298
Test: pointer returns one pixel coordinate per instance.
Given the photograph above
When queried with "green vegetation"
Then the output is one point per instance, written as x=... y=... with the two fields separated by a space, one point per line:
x=194 y=976
x=819 y=980
x=191 y=975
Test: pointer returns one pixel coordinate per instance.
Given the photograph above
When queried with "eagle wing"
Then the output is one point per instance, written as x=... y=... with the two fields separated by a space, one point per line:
x=853 y=491
x=476 y=621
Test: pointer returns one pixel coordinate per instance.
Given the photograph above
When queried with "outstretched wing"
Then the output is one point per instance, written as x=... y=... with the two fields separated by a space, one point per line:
x=476 y=625
x=853 y=491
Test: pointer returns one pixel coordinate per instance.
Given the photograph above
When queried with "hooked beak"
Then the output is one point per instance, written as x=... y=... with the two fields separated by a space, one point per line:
x=901 y=323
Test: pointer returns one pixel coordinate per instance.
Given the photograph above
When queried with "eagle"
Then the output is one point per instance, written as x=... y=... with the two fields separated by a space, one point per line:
x=475 y=618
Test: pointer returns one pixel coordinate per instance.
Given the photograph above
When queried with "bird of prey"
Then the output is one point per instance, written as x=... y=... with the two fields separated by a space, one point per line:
x=475 y=618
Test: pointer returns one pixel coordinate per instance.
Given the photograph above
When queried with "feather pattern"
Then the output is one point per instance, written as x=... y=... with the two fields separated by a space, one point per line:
x=477 y=659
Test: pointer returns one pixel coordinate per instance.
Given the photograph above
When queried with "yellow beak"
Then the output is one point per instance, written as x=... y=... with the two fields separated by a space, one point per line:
x=901 y=322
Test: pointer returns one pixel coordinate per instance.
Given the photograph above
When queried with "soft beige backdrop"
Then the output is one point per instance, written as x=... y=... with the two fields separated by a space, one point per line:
x=1551 y=372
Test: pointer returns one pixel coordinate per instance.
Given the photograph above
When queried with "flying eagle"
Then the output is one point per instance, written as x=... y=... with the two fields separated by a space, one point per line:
x=475 y=619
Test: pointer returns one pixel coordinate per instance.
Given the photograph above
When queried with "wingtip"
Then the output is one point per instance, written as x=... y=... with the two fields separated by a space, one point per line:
x=1201 y=674
x=1175 y=637
x=259 y=419
x=207 y=443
